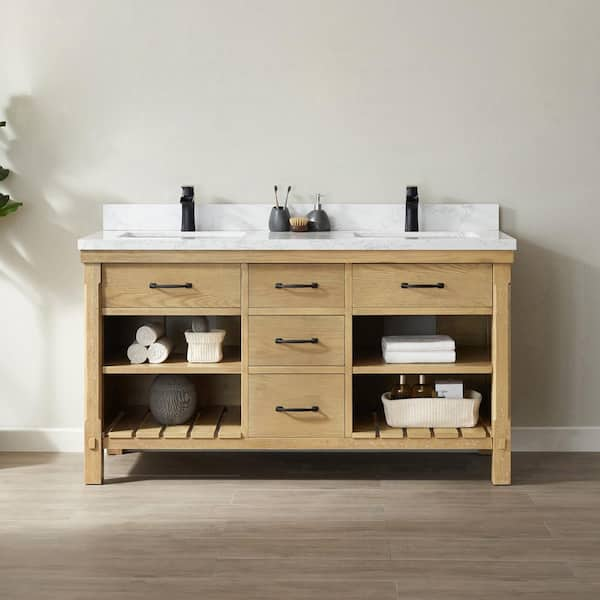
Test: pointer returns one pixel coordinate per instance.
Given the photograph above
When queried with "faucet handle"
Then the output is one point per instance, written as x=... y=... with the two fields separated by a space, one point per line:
x=187 y=192
x=412 y=192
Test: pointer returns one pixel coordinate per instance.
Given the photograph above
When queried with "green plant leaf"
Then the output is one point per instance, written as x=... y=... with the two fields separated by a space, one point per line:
x=3 y=199
x=3 y=173
x=9 y=207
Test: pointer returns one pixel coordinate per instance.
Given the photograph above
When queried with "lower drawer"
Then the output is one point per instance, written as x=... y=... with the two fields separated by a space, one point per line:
x=273 y=398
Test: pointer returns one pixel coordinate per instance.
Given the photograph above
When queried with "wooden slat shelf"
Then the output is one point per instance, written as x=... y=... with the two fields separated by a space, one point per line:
x=469 y=360
x=210 y=422
x=231 y=363
x=372 y=426
x=218 y=427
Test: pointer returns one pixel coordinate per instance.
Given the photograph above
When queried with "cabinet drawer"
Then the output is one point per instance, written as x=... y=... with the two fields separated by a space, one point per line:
x=140 y=285
x=296 y=340
x=296 y=286
x=436 y=286
x=272 y=396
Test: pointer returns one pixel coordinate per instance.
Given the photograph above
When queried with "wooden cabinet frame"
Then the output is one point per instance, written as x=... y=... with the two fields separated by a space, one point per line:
x=494 y=436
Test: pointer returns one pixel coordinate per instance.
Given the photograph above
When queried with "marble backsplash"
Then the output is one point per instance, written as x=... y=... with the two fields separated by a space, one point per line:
x=343 y=217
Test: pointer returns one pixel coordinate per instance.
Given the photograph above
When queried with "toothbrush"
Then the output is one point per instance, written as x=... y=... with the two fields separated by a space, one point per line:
x=286 y=196
x=276 y=199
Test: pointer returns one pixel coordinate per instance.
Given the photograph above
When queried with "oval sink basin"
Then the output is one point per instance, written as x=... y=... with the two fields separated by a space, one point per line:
x=194 y=235
x=417 y=235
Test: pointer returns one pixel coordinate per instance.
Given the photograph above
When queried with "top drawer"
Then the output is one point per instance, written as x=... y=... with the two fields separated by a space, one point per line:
x=296 y=286
x=170 y=286
x=434 y=286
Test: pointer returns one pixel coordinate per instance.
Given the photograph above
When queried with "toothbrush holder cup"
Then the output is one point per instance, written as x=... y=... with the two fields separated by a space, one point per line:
x=279 y=219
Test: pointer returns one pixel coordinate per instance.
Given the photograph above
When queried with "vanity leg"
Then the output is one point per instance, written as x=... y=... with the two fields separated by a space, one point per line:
x=94 y=455
x=501 y=446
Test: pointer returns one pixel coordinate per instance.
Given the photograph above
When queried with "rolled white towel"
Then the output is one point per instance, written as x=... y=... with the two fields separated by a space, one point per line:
x=137 y=354
x=148 y=334
x=160 y=350
x=443 y=356
x=417 y=343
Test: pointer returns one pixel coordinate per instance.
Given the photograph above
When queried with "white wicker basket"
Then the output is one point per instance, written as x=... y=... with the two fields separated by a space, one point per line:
x=206 y=346
x=433 y=412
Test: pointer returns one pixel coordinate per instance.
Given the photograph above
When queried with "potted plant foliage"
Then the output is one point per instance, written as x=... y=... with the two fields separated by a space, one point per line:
x=7 y=205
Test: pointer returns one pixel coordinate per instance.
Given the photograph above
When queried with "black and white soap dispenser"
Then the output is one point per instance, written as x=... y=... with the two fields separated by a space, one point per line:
x=318 y=219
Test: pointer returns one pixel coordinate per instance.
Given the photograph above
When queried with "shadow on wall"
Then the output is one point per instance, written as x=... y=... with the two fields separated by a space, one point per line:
x=39 y=264
x=555 y=338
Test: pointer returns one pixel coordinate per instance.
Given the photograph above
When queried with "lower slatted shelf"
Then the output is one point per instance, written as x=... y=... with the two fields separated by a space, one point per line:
x=209 y=423
x=373 y=426
x=217 y=427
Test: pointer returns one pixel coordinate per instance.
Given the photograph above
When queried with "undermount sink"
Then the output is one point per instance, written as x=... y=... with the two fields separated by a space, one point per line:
x=158 y=235
x=417 y=235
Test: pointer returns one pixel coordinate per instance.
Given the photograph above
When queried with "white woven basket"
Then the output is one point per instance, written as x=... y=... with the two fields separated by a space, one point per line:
x=433 y=412
x=205 y=346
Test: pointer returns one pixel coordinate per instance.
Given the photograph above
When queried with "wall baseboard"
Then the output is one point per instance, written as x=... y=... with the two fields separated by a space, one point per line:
x=525 y=439
x=556 y=439
x=41 y=440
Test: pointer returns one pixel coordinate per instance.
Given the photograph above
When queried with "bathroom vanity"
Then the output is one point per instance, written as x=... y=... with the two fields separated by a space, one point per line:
x=309 y=310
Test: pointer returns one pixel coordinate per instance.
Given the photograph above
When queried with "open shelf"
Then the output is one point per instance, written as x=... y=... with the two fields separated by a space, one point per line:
x=372 y=426
x=469 y=360
x=138 y=425
x=175 y=364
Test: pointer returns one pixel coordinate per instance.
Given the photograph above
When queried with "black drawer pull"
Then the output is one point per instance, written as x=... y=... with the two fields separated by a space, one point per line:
x=160 y=286
x=284 y=409
x=287 y=286
x=307 y=341
x=405 y=286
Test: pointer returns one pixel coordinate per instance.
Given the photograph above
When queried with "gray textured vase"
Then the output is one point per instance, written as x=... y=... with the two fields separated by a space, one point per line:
x=172 y=399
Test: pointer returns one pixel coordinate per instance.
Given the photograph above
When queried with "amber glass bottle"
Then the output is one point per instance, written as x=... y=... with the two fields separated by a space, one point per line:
x=423 y=389
x=400 y=389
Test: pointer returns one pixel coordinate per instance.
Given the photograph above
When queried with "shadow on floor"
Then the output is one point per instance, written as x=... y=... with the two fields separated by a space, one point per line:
x=528 y=468
x=15 y=460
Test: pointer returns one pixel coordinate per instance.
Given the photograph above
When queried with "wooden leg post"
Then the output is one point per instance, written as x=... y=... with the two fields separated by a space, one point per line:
x=348 y=401
x=94 y=456
x=501 y=453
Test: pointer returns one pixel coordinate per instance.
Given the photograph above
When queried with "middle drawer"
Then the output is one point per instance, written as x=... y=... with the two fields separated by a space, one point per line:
x=299 y=340
x=296 y=286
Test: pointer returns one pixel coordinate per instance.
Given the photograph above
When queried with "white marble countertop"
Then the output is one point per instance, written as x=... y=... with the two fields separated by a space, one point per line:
x=356 y=227
x=264 y=240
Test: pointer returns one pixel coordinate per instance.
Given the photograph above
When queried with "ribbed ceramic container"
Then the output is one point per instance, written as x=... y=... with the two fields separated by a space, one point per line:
x=432 y=412
x=172 y=399
x=205 y=347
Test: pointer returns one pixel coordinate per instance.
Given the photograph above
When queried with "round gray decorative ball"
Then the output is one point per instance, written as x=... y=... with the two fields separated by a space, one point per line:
x=172 y=399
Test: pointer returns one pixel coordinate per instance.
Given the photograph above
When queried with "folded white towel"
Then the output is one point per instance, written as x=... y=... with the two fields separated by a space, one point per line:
x=442 y=356
x=416 y=343
x=148 y=334
x=160 y=350
x=137 y=354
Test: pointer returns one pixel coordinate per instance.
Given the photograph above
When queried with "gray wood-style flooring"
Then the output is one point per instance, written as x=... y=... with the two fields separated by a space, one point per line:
x=299 y=526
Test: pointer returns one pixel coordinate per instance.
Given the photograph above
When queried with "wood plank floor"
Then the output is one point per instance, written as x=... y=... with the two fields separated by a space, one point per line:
x=299 y=526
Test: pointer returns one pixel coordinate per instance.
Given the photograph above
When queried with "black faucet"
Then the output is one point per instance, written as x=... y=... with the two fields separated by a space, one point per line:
x=188 y=222
x=411 y=221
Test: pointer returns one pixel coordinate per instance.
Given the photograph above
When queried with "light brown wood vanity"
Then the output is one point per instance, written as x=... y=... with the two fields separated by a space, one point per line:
x=342 y=373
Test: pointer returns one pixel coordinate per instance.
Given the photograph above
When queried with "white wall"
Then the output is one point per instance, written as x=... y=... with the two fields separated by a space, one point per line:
x=473 y=100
